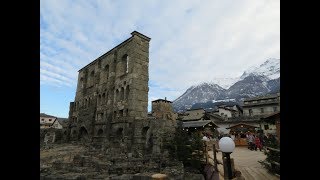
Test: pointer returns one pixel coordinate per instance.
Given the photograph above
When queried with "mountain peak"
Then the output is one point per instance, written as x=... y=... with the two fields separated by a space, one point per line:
x=256 y=80
x=270 y=68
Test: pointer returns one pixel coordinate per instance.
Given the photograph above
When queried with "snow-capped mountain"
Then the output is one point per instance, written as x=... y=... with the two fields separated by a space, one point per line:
x=270 y=69
x=254 y=81
x=199 y=93
x=224 y=82
x=250 y=86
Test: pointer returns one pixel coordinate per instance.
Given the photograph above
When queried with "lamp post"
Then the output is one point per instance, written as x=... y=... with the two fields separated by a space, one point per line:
x=227 y=146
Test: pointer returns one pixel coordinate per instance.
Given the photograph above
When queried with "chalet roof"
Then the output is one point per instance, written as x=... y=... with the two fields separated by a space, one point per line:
x=268 y=96
x=193 y=116
x=216 y=116
x=46 y=115
x=199 y=123
x=272 y=117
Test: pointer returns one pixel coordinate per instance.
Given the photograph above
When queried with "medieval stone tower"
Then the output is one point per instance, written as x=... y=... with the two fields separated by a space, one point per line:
x=162 y=109
x=112 y=93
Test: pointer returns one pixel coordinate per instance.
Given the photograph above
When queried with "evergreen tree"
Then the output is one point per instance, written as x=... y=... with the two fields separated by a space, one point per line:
x=272 y=156
x=186 y=148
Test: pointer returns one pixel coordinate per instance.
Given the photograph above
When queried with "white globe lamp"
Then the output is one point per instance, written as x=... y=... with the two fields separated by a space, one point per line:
x=226 y=145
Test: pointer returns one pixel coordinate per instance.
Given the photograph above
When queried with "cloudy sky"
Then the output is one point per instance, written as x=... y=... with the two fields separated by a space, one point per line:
x=191 y=41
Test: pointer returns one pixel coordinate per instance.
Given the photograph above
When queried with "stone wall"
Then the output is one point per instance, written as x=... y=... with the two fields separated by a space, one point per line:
x=112 y=92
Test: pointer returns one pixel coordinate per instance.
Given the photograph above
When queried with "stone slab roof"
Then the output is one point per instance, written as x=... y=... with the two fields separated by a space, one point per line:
x=262 y=97
x=199 y=123
x=46 y=115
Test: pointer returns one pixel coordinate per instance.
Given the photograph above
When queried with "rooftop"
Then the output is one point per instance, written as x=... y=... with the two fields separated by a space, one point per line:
x=263 y=97
x=199 y=123
x=46 y=115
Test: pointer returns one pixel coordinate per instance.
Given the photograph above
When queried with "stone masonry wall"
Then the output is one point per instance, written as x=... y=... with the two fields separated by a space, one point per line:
x=112 y=92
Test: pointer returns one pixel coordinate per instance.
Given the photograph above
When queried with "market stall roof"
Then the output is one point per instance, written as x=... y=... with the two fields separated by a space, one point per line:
x=242 y=124
x=272 y=117
x=199 y=123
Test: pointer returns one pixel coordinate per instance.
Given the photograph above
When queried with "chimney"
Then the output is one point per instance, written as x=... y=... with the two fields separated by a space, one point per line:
x=165 y=98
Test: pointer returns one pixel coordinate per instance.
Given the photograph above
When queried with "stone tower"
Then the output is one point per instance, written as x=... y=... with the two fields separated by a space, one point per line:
x=112 y=93
x=162 y=109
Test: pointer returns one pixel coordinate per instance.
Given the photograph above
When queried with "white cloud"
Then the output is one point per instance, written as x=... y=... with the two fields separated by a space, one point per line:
x=191 y=41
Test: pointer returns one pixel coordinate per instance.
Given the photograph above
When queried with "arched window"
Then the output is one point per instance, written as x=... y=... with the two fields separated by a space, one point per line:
x=127 y=92
x=81 y=82
x=100 y=132
x=92 y=78
x=119 y=133
x=107 y=71
x=103 y=100
x=117 y=95
x=122 y=94
x=99 y=100
x=144 y=132
x=115 y=114
x=125 y=64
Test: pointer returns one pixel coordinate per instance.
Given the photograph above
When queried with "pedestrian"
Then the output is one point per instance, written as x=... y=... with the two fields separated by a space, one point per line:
x=258 y=143
x=250 y=141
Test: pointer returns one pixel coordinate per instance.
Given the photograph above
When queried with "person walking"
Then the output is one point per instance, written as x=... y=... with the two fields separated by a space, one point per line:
x=250 y=141
x=258 y=143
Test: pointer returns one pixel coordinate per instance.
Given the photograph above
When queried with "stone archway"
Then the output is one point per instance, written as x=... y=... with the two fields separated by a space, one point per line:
x=83 y=134
x=119 y=133
x=100 y=132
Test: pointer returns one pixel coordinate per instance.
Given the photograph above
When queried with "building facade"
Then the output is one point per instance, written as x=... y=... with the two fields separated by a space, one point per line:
x=262 y=105
x=46 y=121
x=111 y=100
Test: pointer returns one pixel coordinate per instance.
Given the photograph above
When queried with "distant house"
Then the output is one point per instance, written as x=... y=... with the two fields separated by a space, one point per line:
x=261 y=105
x=226 y=111
x=274 y=121
x=197 y=120
x=192 y=115
x=200 y=126
x=224 y=126
x=48 y=121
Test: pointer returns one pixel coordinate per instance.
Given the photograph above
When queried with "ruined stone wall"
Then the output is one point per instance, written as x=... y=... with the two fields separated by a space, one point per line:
x=112 y=92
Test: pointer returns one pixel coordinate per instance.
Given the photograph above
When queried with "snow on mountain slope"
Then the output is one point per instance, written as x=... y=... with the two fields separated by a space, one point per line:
x=202 y=92
x=224 y=82
x=257 y=80
x=270 y=69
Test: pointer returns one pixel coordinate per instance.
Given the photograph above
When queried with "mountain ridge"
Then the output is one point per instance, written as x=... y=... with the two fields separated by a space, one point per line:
x=255 y=81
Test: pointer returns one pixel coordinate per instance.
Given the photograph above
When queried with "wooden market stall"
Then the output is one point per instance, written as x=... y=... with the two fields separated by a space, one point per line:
x=240 y=131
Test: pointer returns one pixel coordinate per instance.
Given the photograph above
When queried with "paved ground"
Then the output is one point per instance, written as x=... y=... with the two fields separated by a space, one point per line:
x=246 y=161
